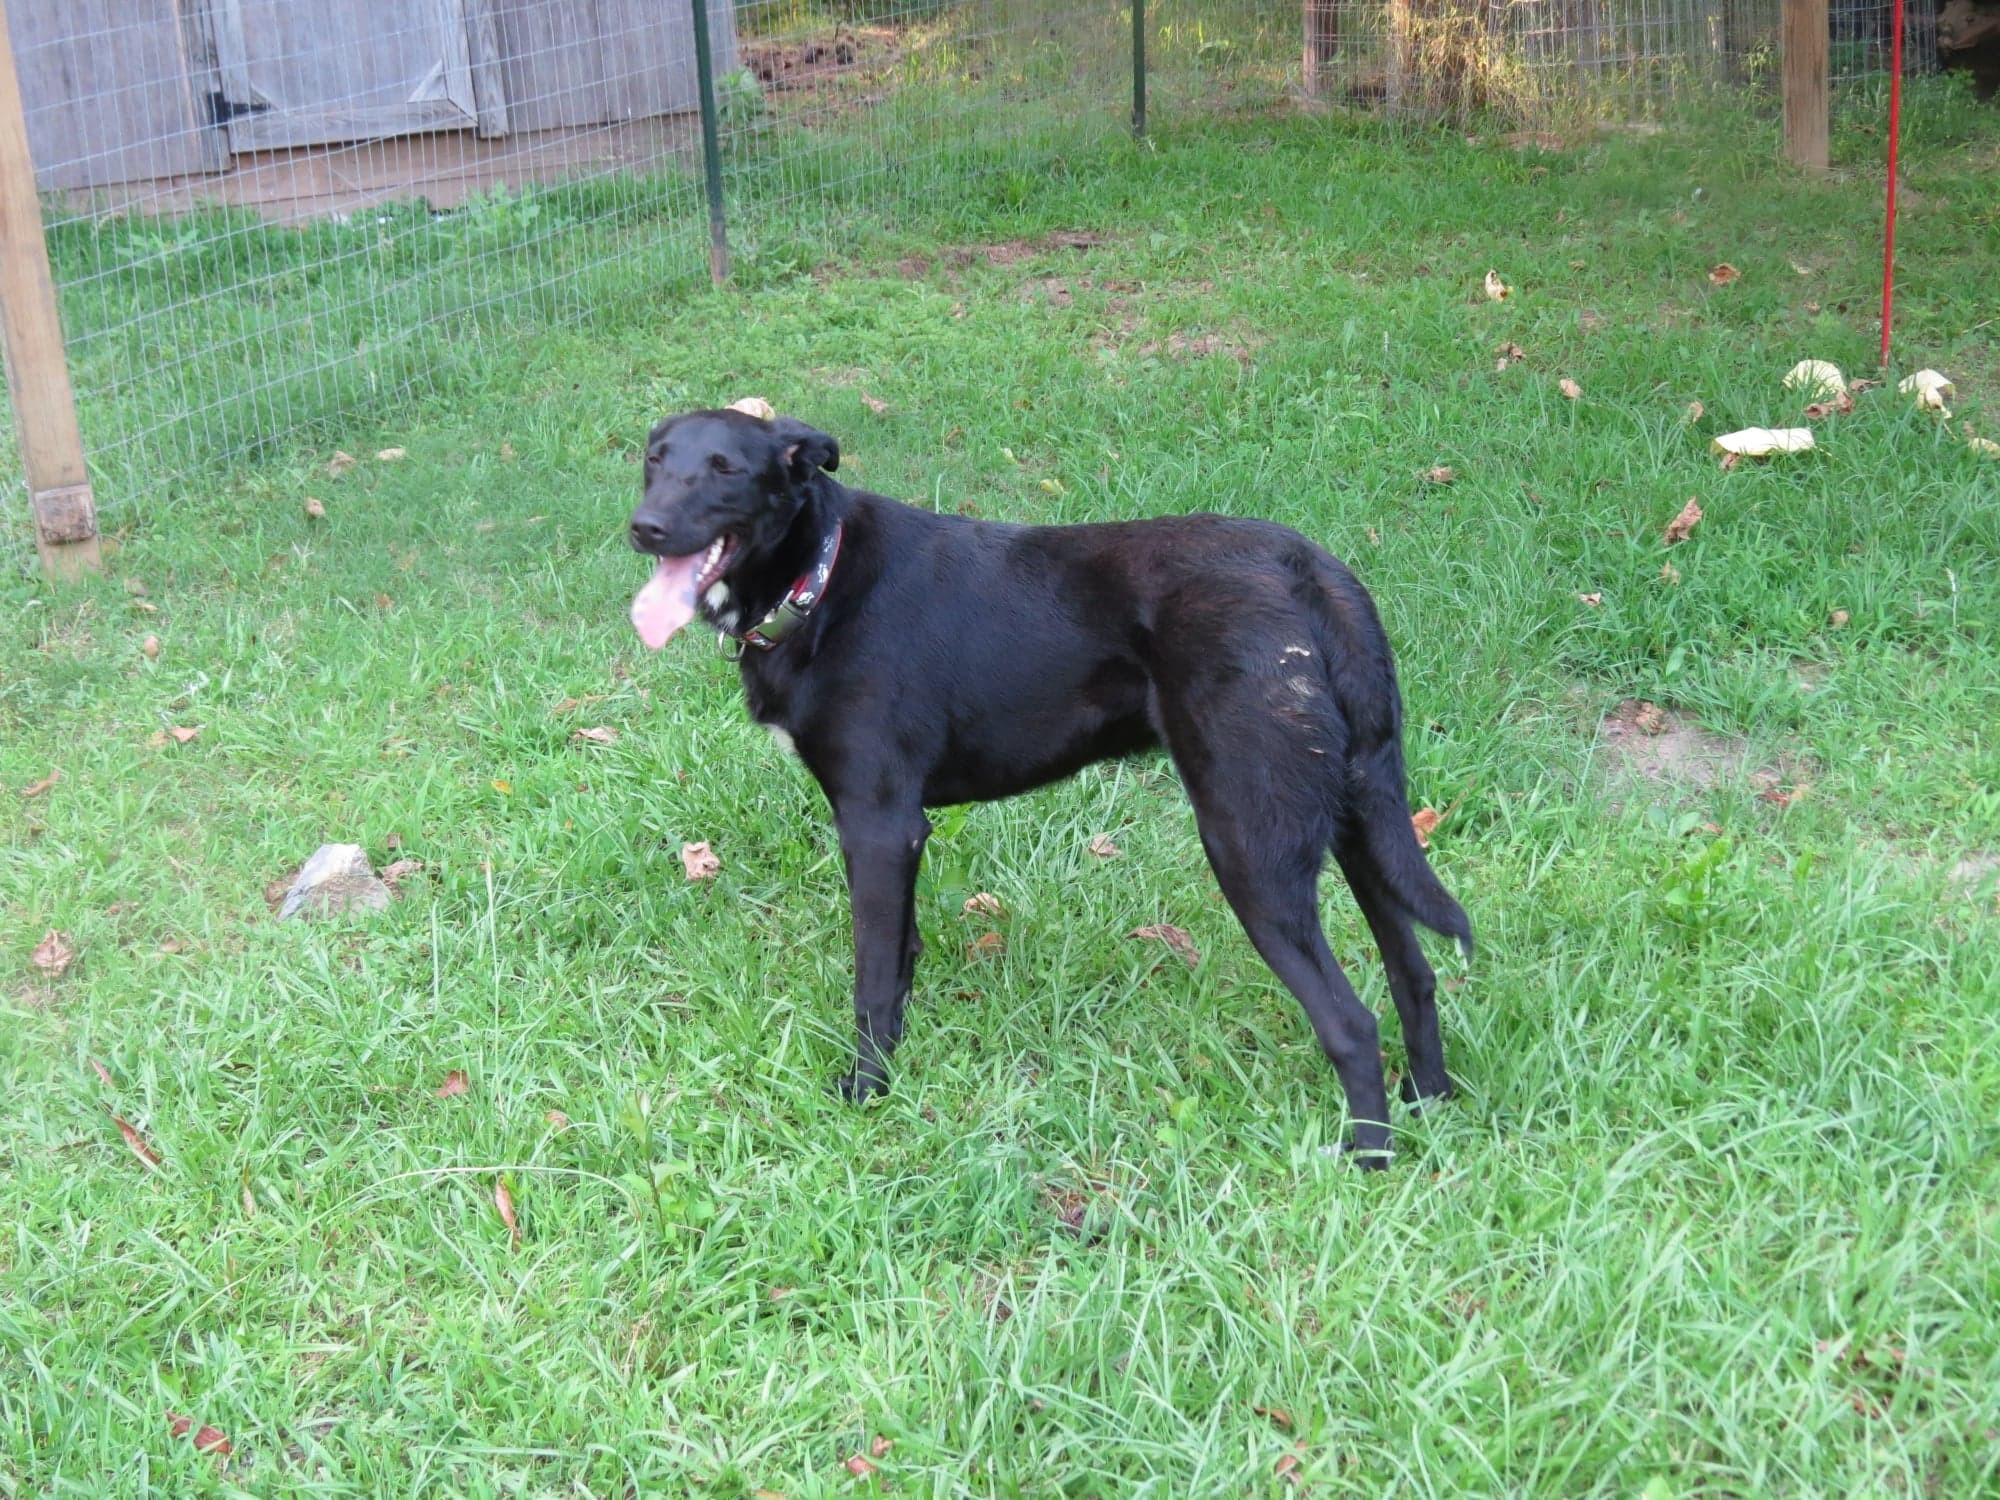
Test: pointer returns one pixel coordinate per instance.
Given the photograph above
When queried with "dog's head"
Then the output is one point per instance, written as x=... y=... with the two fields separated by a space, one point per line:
x=721 y=488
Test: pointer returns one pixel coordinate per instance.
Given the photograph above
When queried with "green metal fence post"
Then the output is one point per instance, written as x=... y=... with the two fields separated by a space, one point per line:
x=1139 y=68
x=711 y=148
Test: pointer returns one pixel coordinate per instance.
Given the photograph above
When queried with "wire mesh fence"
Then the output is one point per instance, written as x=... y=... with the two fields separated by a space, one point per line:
x=266 y=218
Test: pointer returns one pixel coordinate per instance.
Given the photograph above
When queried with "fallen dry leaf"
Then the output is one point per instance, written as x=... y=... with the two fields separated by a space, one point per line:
x=138 y=1144
x=1772 y=794
x=1570 y=389
x=47 y=783
x=1650 y=719
x=1442 y=474
x=1762 y=442
x=874 y=403
x=1982 y=445
x=1669 y=574
x=180 y=734
x=754 y=406
x=504 y=1201
x=54 y=953
x=1174 y=937
x=1423 y=823
x=247 y=1197
x=700 y=861
x=1695 y=412
x=392 y=455
x=859 y=1467
x=1102 y=846
x=985 y=904
x=1593 y=600
x=1838 y=618
x=1730 y=461
x=101 y=1072
x=172 y=945
x=986 y=945
x=558 y=1119
x=503 y=787
x=1723 y=274
x=150 y=648
x=880 y=1446
x=206 y=1439
x=315 y=509
x=136 y=587
x=1275 y=1414
x=454 y=1084
x=1931 y=389
x=1682 y=524
x=1509 y=351
x=1820 y=379
x=1287 y=1467
x=507 y=454
x=598 y=735
x=1496 y=289
x=395 y=874
x=1837 y=406
x=339 y=464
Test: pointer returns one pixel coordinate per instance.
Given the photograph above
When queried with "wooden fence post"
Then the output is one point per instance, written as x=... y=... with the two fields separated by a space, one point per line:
x=1803 y=27
x=1322 y=42
x=37 y=368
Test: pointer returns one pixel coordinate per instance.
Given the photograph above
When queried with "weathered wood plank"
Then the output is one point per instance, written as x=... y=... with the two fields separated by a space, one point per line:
x=37 y=366
x=104 y=88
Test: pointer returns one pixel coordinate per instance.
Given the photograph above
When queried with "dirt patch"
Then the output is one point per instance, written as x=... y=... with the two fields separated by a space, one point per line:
x=1051 y=289
x=1003 y=253
x=1645 y=741
x=1974 y=871
x=1178 y=345
x=812 y=63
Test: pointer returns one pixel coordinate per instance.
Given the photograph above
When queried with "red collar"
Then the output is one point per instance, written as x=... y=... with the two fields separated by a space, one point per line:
x=806 y=592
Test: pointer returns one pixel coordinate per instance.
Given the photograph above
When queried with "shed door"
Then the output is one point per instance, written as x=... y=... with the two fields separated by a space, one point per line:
x=342 y=70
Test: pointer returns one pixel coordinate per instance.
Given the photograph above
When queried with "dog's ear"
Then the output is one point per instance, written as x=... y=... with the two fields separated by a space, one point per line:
x=805 y=448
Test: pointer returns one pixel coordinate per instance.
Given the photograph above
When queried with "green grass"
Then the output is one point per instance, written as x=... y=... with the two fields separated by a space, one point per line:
x=1716 y=1212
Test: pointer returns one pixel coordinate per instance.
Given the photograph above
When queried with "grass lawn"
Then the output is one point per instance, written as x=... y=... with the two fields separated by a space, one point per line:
x=1715 y=1214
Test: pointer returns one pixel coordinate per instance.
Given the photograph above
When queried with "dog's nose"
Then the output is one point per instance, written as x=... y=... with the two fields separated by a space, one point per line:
x=648 y=535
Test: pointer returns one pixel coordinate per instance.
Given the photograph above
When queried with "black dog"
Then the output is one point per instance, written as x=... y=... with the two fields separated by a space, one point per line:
x=916 y=660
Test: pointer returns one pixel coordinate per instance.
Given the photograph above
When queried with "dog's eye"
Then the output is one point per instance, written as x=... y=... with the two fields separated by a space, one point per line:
x=722 y=465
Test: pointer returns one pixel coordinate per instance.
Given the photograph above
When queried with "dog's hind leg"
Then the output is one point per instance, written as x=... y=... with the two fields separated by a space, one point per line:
x=1266 y=801
x=1395 y=888
x=1412 y=982
x=882 y=848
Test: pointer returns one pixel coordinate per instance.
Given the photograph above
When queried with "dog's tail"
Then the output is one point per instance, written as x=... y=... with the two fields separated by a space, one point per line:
x=1381 y=814
x=1375 y=809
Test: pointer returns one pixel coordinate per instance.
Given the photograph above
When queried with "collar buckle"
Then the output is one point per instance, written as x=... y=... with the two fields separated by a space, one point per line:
x=795 y=608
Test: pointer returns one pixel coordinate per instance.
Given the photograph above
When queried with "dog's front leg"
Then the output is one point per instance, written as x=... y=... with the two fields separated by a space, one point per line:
x=882 y=847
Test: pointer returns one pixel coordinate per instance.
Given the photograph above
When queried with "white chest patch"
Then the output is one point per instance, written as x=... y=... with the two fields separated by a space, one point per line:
x=784 y=740
x=717 y=595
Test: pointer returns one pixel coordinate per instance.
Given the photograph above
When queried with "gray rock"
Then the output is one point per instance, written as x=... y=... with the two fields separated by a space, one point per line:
x=337 y=878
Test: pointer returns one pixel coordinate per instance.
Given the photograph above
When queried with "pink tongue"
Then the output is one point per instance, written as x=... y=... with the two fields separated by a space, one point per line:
x=666 y=603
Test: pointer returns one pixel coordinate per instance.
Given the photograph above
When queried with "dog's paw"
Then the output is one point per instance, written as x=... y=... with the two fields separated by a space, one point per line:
x=857 y=1087
x=1420 y=1101
x=1366 y=1158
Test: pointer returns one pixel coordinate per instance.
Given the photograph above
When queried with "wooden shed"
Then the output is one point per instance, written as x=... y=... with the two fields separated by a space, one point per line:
x=315 y=105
